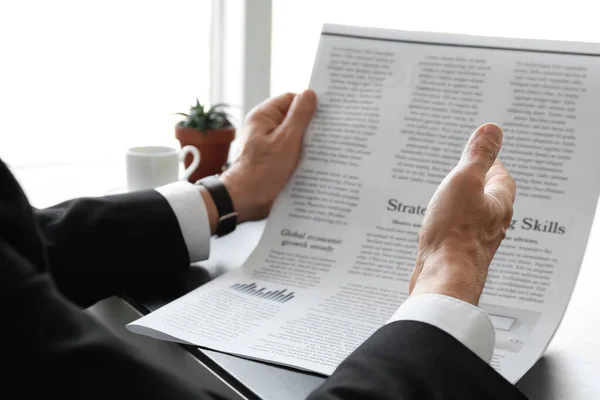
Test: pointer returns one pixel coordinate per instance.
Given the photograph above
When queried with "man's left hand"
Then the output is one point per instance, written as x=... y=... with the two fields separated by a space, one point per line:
x=270 y=151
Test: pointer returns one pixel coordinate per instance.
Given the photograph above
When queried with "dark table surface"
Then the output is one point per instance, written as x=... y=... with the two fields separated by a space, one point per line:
x=570 y=368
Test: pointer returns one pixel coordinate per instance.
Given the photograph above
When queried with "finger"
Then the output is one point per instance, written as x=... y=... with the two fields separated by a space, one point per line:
x=281 y=103
x=275 y=108
x=501 y=186
x=482 y=148
x=300 y=113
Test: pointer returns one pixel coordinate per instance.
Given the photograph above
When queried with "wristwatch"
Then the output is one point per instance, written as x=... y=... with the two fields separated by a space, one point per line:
x=228 y=218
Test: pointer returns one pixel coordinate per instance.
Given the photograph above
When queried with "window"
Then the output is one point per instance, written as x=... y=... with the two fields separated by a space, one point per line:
x=297 y=24
x=84 y=80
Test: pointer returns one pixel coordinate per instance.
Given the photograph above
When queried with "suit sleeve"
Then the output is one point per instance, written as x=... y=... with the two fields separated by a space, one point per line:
x=468 y=324
x=412 y=360
x=97 y=246
x=53 y=347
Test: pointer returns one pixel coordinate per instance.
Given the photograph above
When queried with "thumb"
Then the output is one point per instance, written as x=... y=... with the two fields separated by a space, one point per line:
x=501 y=186
x=482 y=148
x=300 y=113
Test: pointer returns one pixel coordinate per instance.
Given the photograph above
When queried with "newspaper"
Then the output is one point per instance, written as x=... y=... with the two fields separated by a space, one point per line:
x=395 y=111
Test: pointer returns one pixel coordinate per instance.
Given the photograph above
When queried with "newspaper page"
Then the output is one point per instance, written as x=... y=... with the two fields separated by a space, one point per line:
x=395 y=111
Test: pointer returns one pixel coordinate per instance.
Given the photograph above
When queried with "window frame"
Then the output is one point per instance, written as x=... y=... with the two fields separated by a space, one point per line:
x=240 y=54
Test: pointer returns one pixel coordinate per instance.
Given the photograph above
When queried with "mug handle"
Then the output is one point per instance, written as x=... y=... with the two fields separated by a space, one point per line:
x=195 y=162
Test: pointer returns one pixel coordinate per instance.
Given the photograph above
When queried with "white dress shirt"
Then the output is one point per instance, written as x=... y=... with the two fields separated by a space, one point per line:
x=467 y=323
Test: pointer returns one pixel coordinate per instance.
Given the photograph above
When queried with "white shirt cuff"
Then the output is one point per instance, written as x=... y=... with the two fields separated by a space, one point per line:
x=467 y=323
x=187 y=204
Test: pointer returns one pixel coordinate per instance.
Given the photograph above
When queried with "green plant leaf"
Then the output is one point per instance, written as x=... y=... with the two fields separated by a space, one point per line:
x=214 y=107
x=204 y=118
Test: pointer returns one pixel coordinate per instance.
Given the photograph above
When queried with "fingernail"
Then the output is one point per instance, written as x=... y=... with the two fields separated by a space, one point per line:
x=493 y=131
x=491 y=128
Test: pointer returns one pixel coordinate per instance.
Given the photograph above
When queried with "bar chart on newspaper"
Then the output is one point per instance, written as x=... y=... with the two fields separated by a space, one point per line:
x=251 y=289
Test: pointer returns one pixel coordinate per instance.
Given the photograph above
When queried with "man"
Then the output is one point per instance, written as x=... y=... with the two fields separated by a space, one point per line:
x=55 y=261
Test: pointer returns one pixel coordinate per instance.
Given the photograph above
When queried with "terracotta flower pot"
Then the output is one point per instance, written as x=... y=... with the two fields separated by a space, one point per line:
x=213 y=145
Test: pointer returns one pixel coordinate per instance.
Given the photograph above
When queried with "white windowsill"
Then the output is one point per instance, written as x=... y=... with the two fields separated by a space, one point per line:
x=49 y=184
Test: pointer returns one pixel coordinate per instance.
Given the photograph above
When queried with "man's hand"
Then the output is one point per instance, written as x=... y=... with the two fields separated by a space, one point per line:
x=465 y=222
x=272 y=139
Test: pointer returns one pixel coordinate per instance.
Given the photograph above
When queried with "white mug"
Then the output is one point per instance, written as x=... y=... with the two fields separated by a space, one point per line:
x=151 y=166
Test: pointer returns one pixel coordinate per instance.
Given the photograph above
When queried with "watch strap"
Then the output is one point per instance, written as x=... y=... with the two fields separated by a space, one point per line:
x=228 y=218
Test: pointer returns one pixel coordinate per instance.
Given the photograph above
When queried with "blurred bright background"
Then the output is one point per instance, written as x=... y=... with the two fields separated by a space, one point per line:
x=83 y=80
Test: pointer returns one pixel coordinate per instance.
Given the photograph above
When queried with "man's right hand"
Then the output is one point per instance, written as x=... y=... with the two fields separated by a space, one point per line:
x=465 y=222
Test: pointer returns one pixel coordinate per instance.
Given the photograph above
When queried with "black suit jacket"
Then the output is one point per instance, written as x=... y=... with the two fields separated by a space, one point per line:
x=55 y=261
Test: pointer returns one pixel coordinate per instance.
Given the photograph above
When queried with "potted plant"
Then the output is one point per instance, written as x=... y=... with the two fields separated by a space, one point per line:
x=211 y=132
